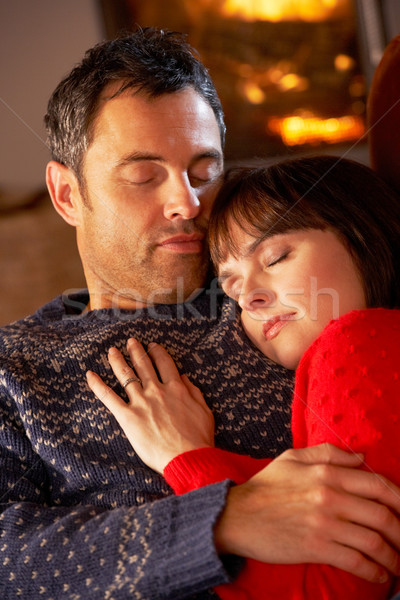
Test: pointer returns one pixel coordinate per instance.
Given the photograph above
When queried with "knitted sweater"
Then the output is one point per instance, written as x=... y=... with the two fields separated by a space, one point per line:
x=82 y=518
x=347 y=393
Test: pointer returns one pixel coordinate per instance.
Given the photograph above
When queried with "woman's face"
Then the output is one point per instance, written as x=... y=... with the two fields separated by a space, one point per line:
x=289 y=287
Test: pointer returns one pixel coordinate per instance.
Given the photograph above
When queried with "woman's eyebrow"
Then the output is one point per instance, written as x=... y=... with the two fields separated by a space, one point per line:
x=224 y=274
x=253 y=247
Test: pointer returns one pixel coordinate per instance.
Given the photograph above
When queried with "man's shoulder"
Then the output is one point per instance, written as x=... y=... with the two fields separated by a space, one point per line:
x=32 y=328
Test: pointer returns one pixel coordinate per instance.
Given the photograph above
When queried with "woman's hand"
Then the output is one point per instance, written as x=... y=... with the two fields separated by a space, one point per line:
x=166 y=414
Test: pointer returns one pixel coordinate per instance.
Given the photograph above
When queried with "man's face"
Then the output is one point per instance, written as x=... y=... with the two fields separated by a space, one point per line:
x=150 y=174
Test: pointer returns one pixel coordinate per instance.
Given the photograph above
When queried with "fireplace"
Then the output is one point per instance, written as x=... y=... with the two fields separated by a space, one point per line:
x=287 y=71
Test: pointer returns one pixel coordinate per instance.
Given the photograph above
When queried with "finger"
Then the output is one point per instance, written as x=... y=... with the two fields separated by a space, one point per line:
x=366 y=524
x=369 y=543
x=122 y=371
x=323 y=454
x=356 y=563
x=105 y=394
x=165 y=364
x=360 y=482
x=141 y=361
x=381 y=495
x=193 y=390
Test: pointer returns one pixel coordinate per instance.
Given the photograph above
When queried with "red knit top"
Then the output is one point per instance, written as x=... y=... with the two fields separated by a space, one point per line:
x=347 y=392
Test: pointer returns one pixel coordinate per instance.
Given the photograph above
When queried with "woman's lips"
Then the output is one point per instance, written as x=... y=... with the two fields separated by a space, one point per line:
x=273 y=326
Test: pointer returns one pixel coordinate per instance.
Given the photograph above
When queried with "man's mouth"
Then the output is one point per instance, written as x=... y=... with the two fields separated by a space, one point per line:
x=184 y=243
x=273 y=326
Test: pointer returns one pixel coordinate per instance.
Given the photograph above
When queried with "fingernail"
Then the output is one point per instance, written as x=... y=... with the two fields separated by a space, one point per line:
x=152 y=345
x=131 y=341
x=112 y=350
x=383 y=577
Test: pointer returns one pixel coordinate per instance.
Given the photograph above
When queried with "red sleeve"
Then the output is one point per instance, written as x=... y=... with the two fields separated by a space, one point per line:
x=346 y=392
x=194 y=469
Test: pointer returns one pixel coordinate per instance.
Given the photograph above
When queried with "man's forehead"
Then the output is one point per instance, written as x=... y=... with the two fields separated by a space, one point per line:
x=175 y=106
x=109 y=104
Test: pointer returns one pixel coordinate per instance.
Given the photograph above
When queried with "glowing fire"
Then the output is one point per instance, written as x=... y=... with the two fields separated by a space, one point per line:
x=261 y=83
x=279 y=10
x=298 y=130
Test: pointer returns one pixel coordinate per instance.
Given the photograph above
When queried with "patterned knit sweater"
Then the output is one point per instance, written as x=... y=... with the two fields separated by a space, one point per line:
x=82 y=518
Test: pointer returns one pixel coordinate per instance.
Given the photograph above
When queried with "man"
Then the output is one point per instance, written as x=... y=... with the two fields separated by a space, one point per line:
x=136 y=133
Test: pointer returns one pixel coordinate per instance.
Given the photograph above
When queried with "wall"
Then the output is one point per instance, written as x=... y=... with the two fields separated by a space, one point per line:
x=40 y=40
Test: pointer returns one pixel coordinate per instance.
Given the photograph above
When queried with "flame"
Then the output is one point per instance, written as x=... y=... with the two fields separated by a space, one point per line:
x=279 y=10
x=253 y=93
x=343 y=62
x=292 y=82
x=297 y=130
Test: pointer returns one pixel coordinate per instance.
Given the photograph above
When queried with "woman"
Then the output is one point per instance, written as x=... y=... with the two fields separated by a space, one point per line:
x=310 y=250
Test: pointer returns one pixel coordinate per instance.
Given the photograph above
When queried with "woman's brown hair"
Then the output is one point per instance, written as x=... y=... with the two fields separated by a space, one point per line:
x=316 y=193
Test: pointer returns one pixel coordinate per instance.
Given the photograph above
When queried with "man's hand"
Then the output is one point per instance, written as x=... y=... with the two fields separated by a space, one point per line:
x=314 y=505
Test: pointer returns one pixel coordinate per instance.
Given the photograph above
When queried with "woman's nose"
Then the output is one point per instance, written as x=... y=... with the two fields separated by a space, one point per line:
x=252 y=298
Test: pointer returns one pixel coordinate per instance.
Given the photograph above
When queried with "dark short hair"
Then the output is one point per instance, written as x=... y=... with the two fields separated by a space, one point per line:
x=317 y=193
x=153 y=61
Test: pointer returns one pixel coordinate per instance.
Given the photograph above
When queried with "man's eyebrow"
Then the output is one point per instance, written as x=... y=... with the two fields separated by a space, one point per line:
x=208 y=154
x=138 y=157
x=148 y=156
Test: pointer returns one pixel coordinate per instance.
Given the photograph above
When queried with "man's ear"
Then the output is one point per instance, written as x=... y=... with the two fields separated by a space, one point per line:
x=64 y=191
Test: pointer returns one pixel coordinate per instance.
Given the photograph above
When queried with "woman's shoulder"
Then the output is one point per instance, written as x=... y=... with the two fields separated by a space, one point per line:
x=368 y=322
x=369 y=333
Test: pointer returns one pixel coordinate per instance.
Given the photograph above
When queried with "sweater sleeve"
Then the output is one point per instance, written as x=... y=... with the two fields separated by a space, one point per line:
x=161 y=549
x=194 y=469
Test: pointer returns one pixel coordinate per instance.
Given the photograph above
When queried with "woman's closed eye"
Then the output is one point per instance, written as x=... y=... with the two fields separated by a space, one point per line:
x=231 y=288
x=279 y=259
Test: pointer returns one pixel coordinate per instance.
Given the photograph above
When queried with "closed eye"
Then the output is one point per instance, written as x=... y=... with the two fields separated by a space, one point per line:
x=281 y=258
x=206 y=169
x=198 y=181
x=232 y=288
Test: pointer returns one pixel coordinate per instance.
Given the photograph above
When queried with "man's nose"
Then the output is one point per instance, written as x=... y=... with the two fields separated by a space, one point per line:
x=182 y=201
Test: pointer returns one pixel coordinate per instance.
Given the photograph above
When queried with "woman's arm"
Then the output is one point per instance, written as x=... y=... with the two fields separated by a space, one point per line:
x=348 y=388
x=196 y=468
x=280 y=497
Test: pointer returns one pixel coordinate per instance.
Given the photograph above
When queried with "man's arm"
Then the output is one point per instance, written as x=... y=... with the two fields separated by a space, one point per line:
x=300 y=508
x=160 y=549
x=309 y=506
